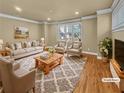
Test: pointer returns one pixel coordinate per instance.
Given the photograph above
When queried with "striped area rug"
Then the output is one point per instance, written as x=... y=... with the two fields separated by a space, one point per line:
x=61 y=79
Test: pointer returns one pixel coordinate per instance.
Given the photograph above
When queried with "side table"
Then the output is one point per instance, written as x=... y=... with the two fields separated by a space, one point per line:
x=5 y=52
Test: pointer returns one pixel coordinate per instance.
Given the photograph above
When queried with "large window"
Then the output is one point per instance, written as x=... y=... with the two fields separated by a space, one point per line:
x=70 y=31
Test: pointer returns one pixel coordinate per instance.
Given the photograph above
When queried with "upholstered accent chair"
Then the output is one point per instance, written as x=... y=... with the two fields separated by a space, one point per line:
x=15 y=65
x=60 y=46
x=19 y=81
x=74 y=48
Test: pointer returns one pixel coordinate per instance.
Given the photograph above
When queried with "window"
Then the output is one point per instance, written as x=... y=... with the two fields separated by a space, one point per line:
x=70 y=31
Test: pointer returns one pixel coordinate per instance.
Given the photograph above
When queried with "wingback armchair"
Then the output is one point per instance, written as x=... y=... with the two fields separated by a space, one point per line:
x=60 y=46
x=13 y=81
x=75 y=48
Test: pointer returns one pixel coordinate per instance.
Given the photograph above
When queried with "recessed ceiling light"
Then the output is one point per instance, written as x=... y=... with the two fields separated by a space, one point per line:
x=18 y=8
x=76 y=12
x=48 y=19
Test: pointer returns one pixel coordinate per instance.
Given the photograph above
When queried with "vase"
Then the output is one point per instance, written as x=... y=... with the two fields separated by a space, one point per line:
x=105 y=59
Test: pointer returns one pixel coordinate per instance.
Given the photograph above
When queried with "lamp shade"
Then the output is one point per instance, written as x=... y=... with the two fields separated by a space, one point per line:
x=1 y=41
x=42 y=39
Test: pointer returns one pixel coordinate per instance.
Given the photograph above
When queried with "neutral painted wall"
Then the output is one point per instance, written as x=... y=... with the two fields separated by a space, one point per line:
x=89 y=35
x=7 y=29
x=52 y=34
x=104 y=28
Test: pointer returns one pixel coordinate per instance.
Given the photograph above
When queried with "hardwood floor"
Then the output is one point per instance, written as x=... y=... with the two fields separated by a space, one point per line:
x=91 y=76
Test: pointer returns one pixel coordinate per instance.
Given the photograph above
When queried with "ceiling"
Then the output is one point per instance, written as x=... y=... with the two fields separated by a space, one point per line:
x=40 y=10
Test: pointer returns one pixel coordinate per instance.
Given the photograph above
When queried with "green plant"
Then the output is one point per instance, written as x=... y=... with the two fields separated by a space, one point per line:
x=105 y=47
x=51 y=50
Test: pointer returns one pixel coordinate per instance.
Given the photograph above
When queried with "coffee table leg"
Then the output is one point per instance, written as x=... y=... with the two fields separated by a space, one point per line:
x=60 y=61
x=36 y=63
x=46 y=69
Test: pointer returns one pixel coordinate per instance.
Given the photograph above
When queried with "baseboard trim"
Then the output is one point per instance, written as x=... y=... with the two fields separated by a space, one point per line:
x=91 y=53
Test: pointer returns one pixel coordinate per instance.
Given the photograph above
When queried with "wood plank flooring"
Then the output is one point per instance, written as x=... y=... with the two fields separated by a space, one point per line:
x=91 y=76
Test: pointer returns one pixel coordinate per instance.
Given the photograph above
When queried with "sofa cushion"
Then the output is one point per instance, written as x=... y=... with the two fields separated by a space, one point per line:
x=34 y=43
x=19 y=51
x=18 y=45
x=61 y=44
x=27 y=44
x=74 y=50
x=30 y=49
x=59 y=48
x=76 y=45
x=39 y=48
x=12 y=46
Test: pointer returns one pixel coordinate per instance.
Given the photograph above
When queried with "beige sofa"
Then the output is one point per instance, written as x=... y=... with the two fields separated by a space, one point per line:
x=23 y=49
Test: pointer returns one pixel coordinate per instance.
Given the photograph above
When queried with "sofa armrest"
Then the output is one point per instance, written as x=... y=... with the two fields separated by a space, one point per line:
x=16 y=66
x=28 y=75
x=80 y=49
x=27 y=80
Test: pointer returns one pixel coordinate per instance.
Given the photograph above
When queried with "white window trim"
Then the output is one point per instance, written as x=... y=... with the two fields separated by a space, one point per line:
x=58 y=37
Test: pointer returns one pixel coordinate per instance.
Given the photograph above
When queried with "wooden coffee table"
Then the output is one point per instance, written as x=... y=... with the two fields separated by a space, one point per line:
x=48 y=64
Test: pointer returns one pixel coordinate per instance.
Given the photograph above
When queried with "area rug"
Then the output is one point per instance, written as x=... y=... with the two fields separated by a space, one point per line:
x=61 y=79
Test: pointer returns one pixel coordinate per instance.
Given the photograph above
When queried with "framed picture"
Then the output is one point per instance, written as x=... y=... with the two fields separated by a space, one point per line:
x=21 y=33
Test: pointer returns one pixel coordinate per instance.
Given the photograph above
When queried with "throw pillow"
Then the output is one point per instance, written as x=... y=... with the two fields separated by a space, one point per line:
x=62 y=44
x=18 y=45
x=12 y=46
x=27 y=44
x=34 y=43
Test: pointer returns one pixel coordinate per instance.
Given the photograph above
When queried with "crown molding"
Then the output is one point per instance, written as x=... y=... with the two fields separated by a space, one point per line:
x=88 y=17
x=68 y=21
x=19 y=18
x=45 y=22
x=114 y=5
x=118 y=29
x=104 y=11
x=74 y=20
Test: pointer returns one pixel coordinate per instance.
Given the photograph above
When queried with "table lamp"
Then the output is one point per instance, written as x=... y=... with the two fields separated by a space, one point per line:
x=1 y=43
x=42 y=39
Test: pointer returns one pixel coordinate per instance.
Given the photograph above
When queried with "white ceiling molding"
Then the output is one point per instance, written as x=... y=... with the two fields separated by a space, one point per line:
x=115 y=3
x=69 y=21
x=19 y=18
x=56 y=22
x=104 y=11
x=65 y=21
x=88 y=17
x=74 y=20
x=118 y=29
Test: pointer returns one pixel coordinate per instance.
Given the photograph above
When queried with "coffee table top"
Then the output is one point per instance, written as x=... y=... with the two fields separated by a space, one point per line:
x=54 y=57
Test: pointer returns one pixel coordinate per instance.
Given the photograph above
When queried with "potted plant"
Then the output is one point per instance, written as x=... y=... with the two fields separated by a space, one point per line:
x=105 y=48
x=51 y=50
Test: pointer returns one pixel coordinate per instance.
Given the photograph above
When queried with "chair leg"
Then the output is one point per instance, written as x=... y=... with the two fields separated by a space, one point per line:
x=33 y=89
